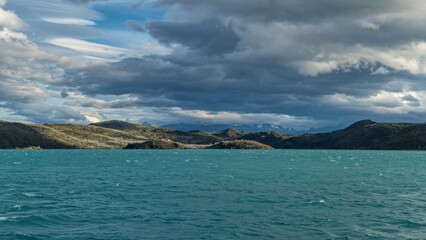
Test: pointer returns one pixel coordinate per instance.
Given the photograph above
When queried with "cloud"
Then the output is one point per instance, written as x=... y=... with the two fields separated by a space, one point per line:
x=245 y=118
x=231 y=60
x=70 y=21
x=89 y=48
x=279 y=57
x=9 y=19
x=45 y=113
x=412 y=101
x=28 y=77
x=134 y=25
x=209 y=37
x=85 y=1
x=19 y=67
x=306 y=11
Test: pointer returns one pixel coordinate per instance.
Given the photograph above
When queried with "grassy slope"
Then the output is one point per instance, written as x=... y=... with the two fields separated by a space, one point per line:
x=88 y=136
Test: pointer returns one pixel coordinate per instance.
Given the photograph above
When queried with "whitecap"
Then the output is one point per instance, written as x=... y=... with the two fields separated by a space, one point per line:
x=3 y=219
x=31 y=194
x=17 y=207
x=323 y=202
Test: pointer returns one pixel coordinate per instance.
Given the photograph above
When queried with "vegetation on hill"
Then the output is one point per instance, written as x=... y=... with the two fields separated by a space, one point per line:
x=117 y=135
x=364 y=135
x=123 y=126
x=189 y=137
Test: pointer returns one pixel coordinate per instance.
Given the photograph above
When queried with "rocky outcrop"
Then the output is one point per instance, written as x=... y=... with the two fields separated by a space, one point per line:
x=240 y=144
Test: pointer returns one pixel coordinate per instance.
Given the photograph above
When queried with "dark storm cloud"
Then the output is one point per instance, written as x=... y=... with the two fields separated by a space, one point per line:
x=216 y=87
x=323 y=59
x=64 y=94
x=209 y=37
x=289 y=10
x=412 y=101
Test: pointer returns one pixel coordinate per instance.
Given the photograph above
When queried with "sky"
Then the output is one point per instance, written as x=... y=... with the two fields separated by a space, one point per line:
x=296 y=63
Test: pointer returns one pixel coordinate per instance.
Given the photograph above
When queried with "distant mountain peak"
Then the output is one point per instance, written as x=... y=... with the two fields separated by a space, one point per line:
x=238 y=127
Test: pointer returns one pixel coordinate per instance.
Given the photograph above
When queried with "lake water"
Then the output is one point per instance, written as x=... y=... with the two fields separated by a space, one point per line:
x=212 y=194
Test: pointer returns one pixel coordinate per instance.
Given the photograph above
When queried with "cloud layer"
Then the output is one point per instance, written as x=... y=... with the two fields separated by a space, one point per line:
x=328 y=61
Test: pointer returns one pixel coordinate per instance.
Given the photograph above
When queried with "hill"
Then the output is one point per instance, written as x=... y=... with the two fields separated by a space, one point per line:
x=187 y=137
x=17 y=135
x=56 y=136
x=123 y=126
x=365 y=134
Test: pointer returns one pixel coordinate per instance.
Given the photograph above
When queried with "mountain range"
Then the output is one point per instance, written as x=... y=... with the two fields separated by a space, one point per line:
x=365 y=134
x=249 y=128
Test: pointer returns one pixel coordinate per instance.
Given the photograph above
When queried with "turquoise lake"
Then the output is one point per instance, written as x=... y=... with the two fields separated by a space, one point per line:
x=212 y=194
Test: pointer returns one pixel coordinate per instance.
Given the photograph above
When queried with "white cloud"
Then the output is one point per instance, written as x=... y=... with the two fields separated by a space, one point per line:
x=383 y=102
x=89 y=48
x=25 y=75
x=153 y=47
x=92 y=119
x=314 y=68
x=242 y=118
x=70 y=21
x=9 y=19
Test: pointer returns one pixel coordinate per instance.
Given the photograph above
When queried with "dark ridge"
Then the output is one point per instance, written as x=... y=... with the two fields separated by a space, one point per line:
x=240 y=144
x=117 y=125
x=155 y=144
x=17 y=135
x=272 y=139
x=366 y=135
